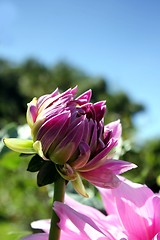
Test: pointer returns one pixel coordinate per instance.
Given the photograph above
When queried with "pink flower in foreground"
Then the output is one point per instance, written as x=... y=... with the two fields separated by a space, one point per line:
x=134 y=214
x=136 y=208
x=38 y=236
x=70 y=133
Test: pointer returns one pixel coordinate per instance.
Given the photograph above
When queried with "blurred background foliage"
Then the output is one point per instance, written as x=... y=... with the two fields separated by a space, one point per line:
x=21 y=201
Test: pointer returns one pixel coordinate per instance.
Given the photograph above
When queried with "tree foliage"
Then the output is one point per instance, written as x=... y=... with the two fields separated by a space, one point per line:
x=20 y=83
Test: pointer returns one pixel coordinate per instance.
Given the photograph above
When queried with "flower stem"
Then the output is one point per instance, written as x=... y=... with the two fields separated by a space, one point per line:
x=59 y=191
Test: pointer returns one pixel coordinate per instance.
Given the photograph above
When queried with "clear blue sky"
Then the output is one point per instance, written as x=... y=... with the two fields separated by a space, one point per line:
x=118 y=39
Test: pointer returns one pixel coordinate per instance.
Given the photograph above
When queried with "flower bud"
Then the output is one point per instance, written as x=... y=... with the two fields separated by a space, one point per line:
x=70 y=132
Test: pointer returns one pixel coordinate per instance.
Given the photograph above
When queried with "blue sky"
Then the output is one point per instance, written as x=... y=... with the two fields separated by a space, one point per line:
x=117 y=39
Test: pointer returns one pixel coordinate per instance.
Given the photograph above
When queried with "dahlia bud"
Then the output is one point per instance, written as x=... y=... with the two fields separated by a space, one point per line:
x=70 y=132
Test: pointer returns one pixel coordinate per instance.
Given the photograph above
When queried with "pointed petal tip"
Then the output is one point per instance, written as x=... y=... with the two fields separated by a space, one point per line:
x=31 y=112
x=85 y=97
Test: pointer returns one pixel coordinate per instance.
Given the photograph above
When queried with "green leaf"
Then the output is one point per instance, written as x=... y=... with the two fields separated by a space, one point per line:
x=47 y=174
x=35 y=163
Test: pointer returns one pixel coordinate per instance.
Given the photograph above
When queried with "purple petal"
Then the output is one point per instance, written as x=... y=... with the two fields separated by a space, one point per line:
x=53 y=106
x=116 y=129
x=54 y=122
x=70 y=91
x=100 y=109
x=43 y=98
x=68 y=145
x=33 y=111
x=85 y=137
x=100 y=158
x=84 y=98
x=55 y=93
x=50 y=130
x=93 y=140
x=83 y=156
x=48 y=101
x=88 y=134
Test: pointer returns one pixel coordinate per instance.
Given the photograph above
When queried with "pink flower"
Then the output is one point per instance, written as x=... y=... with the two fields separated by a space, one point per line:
x=38 y=236
x=134 y=214
x=137 y=210
x=70 y=132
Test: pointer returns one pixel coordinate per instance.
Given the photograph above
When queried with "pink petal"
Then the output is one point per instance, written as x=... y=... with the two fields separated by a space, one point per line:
x=113 y=225
x=157 y=236
x=127 y=190
x=119 y=166
x=105 y=175
x=101 y=177
x=42 y=224
x=105 y=223
x=132 y=203
x=77 y=225
x=134 y=221
x=89 y=211
x=38 y=236
x=156 y=216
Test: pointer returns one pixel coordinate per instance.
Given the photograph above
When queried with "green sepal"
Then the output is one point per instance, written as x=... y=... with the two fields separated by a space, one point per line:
x=79 y=187
x=26 y=155
x=35 y=163
x=20 y=145
x=62 y=170
x=47 y=174
x=38 y=148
